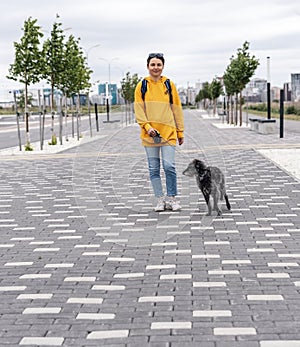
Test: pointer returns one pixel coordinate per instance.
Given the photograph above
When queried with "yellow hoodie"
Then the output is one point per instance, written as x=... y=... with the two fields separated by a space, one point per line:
x=156 y=112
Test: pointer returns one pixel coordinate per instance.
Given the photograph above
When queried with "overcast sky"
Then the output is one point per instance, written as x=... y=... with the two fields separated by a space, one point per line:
x=197 y=37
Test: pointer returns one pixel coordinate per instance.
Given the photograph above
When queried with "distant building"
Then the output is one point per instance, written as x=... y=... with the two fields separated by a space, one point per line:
x=295 y=87
x=256 y=90
x=287 y=91
x=113 y=94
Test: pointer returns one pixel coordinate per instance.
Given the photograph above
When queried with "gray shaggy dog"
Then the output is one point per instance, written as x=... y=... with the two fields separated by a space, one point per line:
x=211 y=182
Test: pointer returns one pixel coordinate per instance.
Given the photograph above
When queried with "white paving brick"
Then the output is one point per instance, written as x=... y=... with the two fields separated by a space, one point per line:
x=212 y=313
x=41 y=310
x=265 y=297
x=109 y=287
x=223 y=272
x=80 y=279
x=129 y=275
x=280 y=343
x=273 y=275
x=35 y=276
x=177 y=251
x=54 y=249
x=120 y=259
x=107 y=334
x=213 y=243
x=205 y=256
x=44 y=296
x=283 y=264
x=95 y=316
x=12 y=288
x=208 y=284
x=87 y=246
x=160 y=267
x=19 y=263
x=42 y=341
x=85 y=301
x=59 y=265
x=234 y=331
x=95 y=253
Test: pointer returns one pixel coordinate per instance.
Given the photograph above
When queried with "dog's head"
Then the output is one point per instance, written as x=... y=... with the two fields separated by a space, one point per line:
x=196 y=167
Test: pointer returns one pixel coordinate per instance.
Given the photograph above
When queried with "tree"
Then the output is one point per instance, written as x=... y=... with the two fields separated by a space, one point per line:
x=128 y=86
x=231 y=90
x=27 y=67
x=76 y=75
x=53 y=55
x=204 y=95
x=216 y=90
x=241 y=69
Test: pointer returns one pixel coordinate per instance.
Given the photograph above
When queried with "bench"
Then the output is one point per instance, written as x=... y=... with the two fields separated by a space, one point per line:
x=263 y=126
x=266 y=126
x=253 y=124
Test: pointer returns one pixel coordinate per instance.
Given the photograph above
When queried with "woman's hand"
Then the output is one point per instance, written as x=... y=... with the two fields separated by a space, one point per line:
x=151 y=132
x=180 y=141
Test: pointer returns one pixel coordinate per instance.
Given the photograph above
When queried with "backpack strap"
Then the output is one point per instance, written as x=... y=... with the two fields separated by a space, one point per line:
x=144 y=88
x=168 y=85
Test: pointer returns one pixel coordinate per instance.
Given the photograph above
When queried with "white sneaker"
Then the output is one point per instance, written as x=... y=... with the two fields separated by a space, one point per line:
x=161 y=204
x=172 y=204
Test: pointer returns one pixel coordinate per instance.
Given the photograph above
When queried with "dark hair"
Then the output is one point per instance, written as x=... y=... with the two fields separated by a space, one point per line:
x=159 y=56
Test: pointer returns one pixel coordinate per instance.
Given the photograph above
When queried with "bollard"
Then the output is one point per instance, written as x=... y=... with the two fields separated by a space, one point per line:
x=96 y=113
x=281 y=117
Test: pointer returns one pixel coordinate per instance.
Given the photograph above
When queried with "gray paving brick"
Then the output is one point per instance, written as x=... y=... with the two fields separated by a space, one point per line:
x=79 y=234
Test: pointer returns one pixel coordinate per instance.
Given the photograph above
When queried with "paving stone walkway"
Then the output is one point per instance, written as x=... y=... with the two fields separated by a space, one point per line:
x=86 y=262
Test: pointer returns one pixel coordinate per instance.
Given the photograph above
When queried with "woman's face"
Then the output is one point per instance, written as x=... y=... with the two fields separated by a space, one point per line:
x=155 y=68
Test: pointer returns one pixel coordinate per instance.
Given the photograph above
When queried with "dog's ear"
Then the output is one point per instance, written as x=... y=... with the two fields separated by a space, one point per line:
x=197 y=163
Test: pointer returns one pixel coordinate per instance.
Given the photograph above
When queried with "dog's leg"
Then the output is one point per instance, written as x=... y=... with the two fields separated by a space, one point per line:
x=207 y=200
x=216 y=200
x=227 y=202
x=222 y=189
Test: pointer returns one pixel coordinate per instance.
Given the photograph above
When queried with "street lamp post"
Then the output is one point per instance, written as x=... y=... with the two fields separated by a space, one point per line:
x=108 y=86
x=268 y=89
x=88 y=93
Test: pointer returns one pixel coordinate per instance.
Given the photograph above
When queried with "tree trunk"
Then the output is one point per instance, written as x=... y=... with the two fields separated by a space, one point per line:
x=27 y=136
x=231 y=109
x=236 y=109
x=52 y=110
x=214 y=107
x=241 y=109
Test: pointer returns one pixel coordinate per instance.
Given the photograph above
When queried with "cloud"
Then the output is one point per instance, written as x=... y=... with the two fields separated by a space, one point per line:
x=198 y=37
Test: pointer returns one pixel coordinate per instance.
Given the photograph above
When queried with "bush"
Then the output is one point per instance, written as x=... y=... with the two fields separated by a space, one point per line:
x=291 y=110
x=53 y=140
x=28 y=147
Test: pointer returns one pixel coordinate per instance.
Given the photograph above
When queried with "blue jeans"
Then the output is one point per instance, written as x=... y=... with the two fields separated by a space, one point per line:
x=168 y=163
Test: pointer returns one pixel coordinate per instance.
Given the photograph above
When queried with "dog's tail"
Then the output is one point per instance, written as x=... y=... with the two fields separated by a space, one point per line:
x=227 y=202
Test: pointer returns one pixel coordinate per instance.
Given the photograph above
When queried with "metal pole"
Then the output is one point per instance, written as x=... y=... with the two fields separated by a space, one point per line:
x=268 y=89
x=96 y=114
x=281 y=113
x=107 y=102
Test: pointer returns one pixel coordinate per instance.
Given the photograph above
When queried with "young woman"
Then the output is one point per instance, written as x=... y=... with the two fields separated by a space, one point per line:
x=159 y=113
